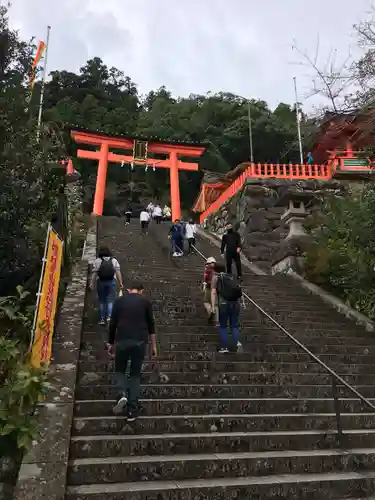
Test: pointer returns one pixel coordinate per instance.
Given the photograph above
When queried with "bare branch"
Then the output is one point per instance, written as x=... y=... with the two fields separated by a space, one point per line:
x=332 y=79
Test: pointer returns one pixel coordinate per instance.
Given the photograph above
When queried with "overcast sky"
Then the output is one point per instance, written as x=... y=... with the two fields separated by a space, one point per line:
x=196 y=46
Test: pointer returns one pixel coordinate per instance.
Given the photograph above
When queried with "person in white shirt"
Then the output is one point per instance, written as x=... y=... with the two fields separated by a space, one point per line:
x=145 y=220
x=157 y=214
x=190 y=232
x=150 y=208
x=167 y=212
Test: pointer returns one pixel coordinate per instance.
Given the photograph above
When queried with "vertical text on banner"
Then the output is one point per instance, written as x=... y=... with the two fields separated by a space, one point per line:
x=42 y=346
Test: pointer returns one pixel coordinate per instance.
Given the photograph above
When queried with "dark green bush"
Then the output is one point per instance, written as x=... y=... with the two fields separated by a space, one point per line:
x=342 y=258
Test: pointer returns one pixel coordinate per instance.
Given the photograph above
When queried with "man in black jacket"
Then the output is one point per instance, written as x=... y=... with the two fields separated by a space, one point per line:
x=231 y=245
x=132 y=324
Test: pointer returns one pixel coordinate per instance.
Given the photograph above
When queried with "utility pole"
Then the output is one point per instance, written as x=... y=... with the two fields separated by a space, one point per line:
x=298 y=120
x=250 y=131
x=42 y=86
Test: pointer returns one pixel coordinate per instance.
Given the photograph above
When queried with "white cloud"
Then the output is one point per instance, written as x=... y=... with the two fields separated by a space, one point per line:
x=194 y=46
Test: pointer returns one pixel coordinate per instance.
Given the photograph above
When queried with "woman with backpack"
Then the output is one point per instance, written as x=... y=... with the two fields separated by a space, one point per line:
x=176 y=234
x=226 y=294
x=106 y=272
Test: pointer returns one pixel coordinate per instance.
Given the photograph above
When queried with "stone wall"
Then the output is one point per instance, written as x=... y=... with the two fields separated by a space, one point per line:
x=254 y=209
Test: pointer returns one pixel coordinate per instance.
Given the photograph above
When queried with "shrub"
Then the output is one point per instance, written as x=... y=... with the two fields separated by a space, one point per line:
x=21 y=385
x=342 y=258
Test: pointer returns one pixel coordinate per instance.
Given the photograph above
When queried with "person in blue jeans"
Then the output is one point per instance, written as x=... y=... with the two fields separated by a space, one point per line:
x=176 y=234
x=106 y=273
x=225 y=294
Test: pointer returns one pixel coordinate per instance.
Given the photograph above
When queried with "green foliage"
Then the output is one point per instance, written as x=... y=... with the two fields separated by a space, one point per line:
x=21 y=386
x=29 y=184
x=16 y=314
x=342 y=258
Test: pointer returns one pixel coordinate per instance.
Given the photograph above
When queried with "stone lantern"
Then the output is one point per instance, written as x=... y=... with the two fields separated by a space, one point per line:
x=295 y=204
x=289 y=257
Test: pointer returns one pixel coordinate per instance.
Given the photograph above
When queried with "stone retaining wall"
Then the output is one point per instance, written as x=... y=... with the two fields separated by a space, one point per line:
x=254 y=210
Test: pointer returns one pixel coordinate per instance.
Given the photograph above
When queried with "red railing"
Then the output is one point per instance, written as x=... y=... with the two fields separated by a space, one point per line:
x=269 y=171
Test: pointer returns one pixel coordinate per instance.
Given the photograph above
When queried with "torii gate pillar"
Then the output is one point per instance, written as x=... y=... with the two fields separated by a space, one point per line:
x=101 y=180
x=170 y=150
x=175 y=187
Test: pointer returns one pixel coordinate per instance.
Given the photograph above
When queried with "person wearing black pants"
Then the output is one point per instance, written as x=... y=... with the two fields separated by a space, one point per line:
x=132 y=325
x=231 y=245
x=236 y=258
x=128 y=214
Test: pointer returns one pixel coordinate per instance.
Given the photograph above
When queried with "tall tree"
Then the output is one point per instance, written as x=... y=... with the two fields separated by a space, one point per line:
x=29 y=184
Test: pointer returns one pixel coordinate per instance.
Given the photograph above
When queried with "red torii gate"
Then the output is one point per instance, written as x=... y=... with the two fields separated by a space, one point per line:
x=104 y=155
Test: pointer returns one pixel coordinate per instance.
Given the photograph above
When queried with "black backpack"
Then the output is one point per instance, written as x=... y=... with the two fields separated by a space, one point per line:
x=229 y=288
x=106 y=270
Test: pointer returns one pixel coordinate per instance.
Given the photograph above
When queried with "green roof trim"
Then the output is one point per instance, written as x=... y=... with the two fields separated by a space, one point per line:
x=355 y=162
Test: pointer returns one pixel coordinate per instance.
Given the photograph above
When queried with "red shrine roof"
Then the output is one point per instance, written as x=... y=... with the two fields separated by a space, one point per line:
x=337 y=130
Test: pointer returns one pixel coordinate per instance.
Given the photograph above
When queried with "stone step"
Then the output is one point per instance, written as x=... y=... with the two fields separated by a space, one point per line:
x=254 y=325
x=177 y=424
x=215 y=442
x=259 y=349
x=328 y=486
x=212 y=343
x=170 y=293
x=217 y=465
x=228 y=380
x=192 y=319
x=287 y=357
x=255 y=360
x=173 y=298
x=176 y=291
x=267 y=337
x=220 y=361
x=267 y=390
x=246 y=406
x=167 y=270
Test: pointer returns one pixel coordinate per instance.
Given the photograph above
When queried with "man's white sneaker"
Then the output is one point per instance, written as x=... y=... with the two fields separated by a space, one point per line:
x=239 y=347
x=175 y=254
x=223 y=350
x=120 y=405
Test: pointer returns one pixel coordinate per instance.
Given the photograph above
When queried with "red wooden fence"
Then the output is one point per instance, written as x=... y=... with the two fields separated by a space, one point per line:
x=269 y=171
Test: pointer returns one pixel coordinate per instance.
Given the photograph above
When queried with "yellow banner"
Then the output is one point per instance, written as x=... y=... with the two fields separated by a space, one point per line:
x=42 y=346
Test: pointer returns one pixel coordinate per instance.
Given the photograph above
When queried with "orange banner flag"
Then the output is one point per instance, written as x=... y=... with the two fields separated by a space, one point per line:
x=38 y=56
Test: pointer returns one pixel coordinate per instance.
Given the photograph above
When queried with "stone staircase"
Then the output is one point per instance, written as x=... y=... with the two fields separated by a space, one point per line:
x=240 y=426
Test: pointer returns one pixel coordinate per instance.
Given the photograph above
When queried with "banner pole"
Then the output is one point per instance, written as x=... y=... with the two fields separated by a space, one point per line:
x=39 y=293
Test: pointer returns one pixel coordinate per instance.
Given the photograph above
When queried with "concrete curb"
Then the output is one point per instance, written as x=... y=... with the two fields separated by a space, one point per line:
x=216 y=240
x=43 y=472
x=335 y=302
